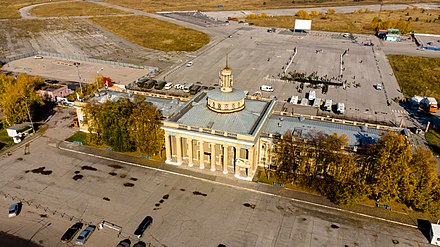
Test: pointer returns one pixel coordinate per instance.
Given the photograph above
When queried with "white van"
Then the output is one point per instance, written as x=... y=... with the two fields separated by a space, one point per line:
x=266 y=88
x=328 y=105
x=293 y=99
x=312 y=95
x=317 y=102
x=340 y=108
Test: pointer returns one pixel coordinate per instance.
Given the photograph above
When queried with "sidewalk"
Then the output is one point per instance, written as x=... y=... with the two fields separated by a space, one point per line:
x=301 y=199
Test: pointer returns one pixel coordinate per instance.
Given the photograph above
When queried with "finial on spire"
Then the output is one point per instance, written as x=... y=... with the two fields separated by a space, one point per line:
x=227 y=60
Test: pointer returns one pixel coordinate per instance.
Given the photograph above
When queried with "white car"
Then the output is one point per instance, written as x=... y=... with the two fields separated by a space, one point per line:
x=378 y=86
x=266 y=88
x=168 y=86
x=38 y=57
x=189 y=64
x=14 y=209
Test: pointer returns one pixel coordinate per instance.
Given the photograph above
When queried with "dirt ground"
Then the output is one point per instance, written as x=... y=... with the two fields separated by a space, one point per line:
x=77 y=37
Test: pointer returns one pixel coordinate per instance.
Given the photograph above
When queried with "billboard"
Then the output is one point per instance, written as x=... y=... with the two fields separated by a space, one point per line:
x=303 y=24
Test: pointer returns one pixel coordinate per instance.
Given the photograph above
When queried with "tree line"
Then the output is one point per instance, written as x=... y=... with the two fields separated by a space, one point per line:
x=18 y=98
x=389 y=170
x=126 y=125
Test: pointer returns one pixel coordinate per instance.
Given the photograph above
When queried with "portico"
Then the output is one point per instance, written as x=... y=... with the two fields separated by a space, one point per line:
x=217 y=131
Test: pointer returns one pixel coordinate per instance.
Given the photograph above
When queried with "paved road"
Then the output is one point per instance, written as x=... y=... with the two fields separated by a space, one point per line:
x=223 y=15
x=187 y=210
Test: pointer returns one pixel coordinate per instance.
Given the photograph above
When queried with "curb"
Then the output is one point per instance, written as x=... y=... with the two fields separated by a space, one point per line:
x=240 y=188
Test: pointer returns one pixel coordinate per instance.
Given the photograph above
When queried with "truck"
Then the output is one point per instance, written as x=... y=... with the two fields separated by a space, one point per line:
x=429 y=104
x=340 y=108
x=312 y=95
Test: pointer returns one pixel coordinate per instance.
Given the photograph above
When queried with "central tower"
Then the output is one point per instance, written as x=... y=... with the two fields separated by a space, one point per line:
x=226 y=100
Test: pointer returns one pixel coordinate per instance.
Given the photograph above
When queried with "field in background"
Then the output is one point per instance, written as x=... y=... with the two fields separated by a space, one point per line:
x=74 y=9
x=212 y=5
x=153 y=33
x=9 y=8
x=417 y=75
x=422 y=21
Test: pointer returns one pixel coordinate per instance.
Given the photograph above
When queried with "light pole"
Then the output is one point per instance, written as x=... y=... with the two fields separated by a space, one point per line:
x=29 y=114
x=77 y=64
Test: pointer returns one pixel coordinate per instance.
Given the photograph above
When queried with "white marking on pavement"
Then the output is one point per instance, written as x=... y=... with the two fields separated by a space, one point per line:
x=241 y=188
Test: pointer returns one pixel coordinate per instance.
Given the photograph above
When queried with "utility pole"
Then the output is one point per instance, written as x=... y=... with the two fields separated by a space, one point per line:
x=380 y=8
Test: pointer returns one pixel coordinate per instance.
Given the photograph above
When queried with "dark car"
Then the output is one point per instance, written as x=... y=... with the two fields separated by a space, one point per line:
x=143 y=226
x=124 y=243
x=140 y=244
x=71 y=232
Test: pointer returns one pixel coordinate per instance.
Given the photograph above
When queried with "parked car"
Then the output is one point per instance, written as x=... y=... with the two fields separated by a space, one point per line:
x=140 y=244
x=143 y=226
x=168 y=86
x=378 y=86
x=266 y=88
x=189 y=64
x=71 y=232
x=159 y=85
x=38 y=57
x=194 y=89
x=15 y=209
x=85 y=235
x=124 y=243
x=178 y=86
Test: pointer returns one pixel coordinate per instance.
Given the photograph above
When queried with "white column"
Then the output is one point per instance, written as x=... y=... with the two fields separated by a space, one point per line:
x=168 y=148
x=213 y=157
x=179 y=149
x=190 y=152
x=202 y=155
x=237 y=155
x=225 y=159
x=251 y=160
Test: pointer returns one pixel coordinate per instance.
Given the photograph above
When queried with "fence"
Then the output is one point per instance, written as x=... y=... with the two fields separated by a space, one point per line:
x=78 y=58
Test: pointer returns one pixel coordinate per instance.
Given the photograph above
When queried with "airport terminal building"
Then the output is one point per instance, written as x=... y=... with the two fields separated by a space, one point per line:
x=223 y=130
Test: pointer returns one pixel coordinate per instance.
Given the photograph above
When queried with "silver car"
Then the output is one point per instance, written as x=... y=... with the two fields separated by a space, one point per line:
x=84 y=235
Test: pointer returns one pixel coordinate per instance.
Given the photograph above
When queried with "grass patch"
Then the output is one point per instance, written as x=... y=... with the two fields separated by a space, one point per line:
x=433 y=138
x=79 y=136
x=153 y=33
x=417 y=75
x=9 y=8
x=74 y=9
x=427 y=21
x=212 y=5
x=5 y=140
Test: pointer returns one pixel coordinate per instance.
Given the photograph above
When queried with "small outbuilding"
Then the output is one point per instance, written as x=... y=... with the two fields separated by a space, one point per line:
x=18 y=131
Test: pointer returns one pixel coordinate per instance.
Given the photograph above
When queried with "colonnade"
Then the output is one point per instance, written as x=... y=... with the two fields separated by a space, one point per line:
x=211 y=154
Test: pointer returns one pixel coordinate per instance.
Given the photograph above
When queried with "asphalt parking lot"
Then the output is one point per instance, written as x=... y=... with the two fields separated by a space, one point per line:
x=65 y=69
x=258 y=57
x=57 y=185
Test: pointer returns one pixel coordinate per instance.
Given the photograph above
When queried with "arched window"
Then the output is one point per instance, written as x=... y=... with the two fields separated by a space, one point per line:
x=233 y=105
x=219 y=106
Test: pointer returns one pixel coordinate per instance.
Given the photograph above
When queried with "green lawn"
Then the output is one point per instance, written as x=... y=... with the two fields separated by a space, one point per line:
x=417 y=75
x=5 y=140
x=433 y=138
x=79 y=136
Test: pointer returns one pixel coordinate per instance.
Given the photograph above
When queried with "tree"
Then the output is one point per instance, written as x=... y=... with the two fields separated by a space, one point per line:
x=423 y=180
x=145 y=128
x=330 y=11
x=18 y=96
x=388 y=172
x=302 y=14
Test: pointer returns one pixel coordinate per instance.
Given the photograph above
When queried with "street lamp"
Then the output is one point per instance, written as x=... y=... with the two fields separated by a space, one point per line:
x=77 y=64
x=29 y=114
